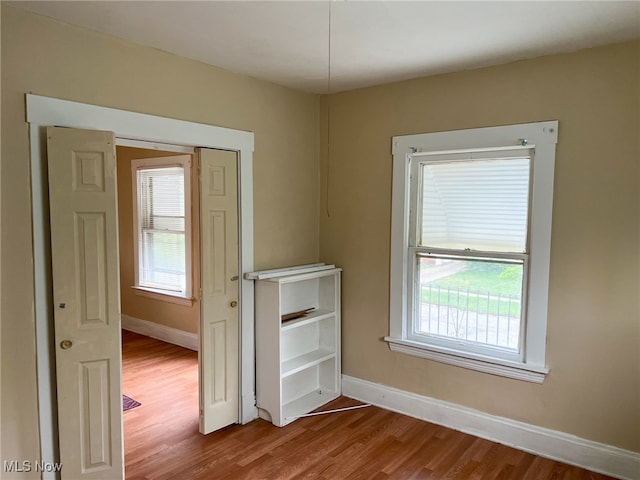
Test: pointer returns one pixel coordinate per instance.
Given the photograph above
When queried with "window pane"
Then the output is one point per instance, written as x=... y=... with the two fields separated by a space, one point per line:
x=161 y=210
x=163 y=260
x=475 y=204
x=470 y=300
x=162 y=198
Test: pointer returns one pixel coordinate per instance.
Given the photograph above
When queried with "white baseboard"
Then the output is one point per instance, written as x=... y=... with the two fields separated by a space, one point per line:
x=160 y=332
x=552 y=444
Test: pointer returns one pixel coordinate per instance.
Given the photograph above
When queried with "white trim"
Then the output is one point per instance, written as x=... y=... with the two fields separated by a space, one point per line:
x=281 y=272
x=163 y=296
x=594 y=456
x=485 y=138
x=43 y=301
x=399 y=235
x=135 y=126
x=45 y=111
x=165 y=147
x=248 y=410
x=409 y=148
x=160 y=332
x=495 y=366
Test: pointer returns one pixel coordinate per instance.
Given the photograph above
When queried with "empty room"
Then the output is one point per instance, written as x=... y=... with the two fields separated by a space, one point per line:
x=321 y=239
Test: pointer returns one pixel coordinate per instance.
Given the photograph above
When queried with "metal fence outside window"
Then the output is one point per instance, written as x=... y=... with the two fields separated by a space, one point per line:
x=474 y=316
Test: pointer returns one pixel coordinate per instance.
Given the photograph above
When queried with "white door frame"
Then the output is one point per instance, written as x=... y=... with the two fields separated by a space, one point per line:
x=43 y=112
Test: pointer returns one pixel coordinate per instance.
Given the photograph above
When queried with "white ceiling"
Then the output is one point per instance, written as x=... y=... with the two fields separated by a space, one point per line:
x=371 y=42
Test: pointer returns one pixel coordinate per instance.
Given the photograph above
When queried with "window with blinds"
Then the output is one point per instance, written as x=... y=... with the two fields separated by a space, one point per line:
x=475 y=204
x=470 y=247
x=470 y=250
x=162 y=223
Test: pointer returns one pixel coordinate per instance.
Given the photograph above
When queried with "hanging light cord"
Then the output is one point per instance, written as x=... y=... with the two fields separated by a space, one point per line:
x=328 y=116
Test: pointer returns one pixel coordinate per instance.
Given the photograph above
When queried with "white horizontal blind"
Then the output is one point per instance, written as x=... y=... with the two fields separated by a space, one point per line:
x=475 y=203
x=161 y=223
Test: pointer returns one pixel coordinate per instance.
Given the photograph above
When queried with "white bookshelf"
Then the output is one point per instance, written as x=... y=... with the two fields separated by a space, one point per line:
x=297 y=361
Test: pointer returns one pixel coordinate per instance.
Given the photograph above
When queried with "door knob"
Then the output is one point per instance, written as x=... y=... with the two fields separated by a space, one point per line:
x=66 y=344
x=234 y=304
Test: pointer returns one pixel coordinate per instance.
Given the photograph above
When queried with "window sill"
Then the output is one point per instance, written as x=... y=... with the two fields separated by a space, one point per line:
x=518 y=371
x=163 y=296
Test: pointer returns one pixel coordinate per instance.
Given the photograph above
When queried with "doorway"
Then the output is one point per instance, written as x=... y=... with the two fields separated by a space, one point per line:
x=44 y=111
x=159 y=245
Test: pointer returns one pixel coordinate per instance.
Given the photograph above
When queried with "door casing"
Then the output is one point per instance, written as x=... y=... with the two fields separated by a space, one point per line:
x=45 y=111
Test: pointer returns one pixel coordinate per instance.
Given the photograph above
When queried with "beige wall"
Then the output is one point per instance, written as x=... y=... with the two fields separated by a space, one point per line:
x=594 y=328
x=594 y=315
x=182 y=317
x=50 y=58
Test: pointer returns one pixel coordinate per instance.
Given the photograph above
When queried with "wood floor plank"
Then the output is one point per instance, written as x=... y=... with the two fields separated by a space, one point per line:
x=162 y=441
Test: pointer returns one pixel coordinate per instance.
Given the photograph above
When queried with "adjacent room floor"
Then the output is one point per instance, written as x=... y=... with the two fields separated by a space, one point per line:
x=162 y=439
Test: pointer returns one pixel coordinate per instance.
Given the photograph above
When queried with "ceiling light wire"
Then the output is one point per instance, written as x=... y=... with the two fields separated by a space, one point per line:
x=328 y=171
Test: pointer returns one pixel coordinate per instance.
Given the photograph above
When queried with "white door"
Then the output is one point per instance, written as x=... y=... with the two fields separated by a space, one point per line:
x=218 y=357
x=86 y=295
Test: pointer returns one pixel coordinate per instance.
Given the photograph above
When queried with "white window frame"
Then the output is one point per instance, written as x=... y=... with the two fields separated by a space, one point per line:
x=181 y=298
x=416 y=250
x=407 y=149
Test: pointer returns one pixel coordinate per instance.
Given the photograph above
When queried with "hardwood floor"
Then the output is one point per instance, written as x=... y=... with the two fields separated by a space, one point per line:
x=162 y=439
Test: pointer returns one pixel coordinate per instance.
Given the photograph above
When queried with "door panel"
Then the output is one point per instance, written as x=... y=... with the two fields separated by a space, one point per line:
x=219 y=347
x=86 y=294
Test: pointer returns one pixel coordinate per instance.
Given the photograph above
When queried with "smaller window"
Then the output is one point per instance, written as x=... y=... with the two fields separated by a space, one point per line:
x=162 y=225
